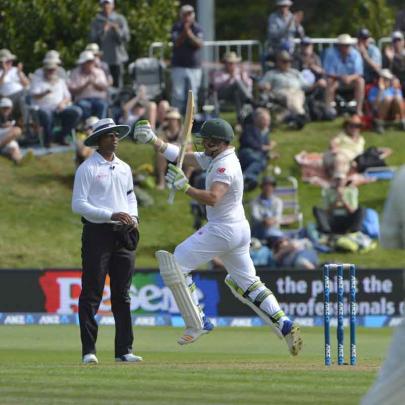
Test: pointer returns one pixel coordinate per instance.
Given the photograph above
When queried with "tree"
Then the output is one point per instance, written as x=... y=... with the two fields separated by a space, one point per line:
x=30 y=28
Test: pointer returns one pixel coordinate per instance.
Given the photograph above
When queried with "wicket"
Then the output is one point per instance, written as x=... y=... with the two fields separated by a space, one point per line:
x=340 y=269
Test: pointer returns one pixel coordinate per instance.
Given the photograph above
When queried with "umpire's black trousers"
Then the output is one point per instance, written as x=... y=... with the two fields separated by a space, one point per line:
x=102 y=254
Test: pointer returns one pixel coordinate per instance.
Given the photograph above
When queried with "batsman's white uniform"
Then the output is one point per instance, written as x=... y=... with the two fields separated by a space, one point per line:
x=227 y=236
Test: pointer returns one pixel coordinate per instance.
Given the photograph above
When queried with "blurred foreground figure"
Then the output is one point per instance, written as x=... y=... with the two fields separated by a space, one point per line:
x=389 y=388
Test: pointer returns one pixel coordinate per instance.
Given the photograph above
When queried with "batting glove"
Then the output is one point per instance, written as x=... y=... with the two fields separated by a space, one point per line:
x=143 y=133
x=176 y=179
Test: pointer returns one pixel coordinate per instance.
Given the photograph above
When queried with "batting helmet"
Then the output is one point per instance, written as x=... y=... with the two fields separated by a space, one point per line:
x=217 y=128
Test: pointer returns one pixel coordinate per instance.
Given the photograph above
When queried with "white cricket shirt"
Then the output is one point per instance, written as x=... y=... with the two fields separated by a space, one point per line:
x=102 y=188
x=224 y=168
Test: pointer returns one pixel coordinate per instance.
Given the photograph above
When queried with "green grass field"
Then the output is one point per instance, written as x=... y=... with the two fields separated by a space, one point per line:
x=41 y=365
x=38 y=228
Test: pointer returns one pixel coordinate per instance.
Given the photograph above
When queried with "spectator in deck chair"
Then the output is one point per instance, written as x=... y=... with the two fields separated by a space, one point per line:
x=52 y=98
x=344 y=69
x=287 y=87
x=395 y=57
x=341 y=213
x=232 y=83
x=9 y=132
x=13 y=83
x=266 y=210
x=88 y=85
x=387 y=101
x=371 y=55
x=344 y=148
x=255 y=147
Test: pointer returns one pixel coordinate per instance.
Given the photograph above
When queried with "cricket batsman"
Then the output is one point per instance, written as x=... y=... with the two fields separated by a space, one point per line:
x=226 y=235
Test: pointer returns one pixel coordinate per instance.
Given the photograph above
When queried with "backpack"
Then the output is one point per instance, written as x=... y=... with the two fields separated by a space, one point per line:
x=370 y=158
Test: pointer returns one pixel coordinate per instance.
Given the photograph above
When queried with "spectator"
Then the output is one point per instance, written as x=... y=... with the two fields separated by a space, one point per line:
x=93 y=47
x=232 y=83
x=88 y=85
x=187 y=38
x=341 y=213
x=169 y=132
x=110 y=30
x=266 y=210
x=255 y=147
x=284 y=26
x=293 y=253
x=83 y=151
x=395 y=57
x=287 y=86
x=9 y=132
x=387 y=101
x=140 y=108
x=13 y=82
x=52 y=57
x=344 y=69
x=52 y=98
x=309 y=64
x=344 y=148
x=371 y=55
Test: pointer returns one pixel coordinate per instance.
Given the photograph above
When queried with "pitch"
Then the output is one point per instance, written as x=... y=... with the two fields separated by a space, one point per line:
x=41 y=365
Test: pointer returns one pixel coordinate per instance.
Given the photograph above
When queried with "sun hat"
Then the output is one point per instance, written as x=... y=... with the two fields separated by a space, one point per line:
x=345 y=39
x=94 y=47
x=52 y=57
x=106 y=126
x=84 y=57
x=173 y=114
x=5 y=102
x=281 y=3
x=6 y=55
x=231 y=57
x=386 y=74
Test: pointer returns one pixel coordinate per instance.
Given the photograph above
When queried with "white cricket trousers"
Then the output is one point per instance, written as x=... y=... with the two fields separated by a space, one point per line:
x=230 y=242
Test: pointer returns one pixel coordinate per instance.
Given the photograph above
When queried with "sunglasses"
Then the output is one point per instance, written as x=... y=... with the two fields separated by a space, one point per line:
x=354 y=125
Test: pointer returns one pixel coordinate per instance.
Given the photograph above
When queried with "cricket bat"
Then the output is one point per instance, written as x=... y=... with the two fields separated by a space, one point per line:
x=186 y=137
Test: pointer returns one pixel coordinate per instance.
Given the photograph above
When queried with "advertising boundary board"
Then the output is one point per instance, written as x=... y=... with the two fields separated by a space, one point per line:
x=50 y=296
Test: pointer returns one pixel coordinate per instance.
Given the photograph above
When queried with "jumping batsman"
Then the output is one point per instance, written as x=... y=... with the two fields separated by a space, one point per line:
x=226 y=235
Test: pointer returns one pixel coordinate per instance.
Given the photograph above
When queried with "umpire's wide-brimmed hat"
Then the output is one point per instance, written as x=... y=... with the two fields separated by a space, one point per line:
x=106 y=126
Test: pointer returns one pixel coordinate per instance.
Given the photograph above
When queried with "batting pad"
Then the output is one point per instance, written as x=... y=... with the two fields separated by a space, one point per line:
x=230 y=283
x=174 y=279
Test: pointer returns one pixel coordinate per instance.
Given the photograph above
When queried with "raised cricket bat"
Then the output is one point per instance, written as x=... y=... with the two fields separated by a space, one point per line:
x=186 y=137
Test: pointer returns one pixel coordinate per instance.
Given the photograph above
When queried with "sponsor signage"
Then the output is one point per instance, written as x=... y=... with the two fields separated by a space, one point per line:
x=51 y=297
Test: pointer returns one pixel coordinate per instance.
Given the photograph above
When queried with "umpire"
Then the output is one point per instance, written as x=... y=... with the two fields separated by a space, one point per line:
x=103 y=195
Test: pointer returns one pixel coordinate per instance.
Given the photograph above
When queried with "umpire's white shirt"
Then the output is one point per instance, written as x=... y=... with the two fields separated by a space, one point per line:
x=102 y=188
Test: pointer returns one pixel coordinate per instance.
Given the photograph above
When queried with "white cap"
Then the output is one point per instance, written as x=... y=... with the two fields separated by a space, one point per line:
x=187 y=8
x=106 y=1
x=397 y=35
x=6 y=103
x=84 y=57
x=386 y=74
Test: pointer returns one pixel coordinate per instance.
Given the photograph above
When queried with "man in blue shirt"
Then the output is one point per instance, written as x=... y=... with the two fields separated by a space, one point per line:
x=187 y=37
x=344 y=69
x=370 y=54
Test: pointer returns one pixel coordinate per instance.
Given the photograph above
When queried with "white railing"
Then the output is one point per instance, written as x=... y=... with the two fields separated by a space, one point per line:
x=244 y=48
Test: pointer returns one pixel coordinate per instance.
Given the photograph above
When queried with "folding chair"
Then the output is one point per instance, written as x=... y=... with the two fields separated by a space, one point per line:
x=287 y=190
x=150 y=73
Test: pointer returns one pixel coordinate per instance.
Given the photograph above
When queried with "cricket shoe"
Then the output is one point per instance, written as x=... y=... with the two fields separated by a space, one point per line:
x=191 y=335
x=89 y=358
x=129 y=358
x=292 y=336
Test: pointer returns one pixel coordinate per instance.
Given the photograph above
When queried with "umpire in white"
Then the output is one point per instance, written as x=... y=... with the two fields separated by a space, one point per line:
x=103 y=195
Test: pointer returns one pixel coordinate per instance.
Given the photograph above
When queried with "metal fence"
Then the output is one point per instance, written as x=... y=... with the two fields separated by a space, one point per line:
x=249 y=50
